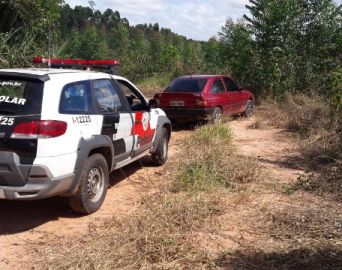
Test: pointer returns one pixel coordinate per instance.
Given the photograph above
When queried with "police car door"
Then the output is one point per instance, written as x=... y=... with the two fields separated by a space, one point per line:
x=144 y=122
x=117 y=121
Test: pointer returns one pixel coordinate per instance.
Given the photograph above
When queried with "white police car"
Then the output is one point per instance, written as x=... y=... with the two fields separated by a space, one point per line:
x=62 y=131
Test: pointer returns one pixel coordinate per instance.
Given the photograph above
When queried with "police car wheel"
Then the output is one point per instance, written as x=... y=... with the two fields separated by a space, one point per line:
x=159 y=157
x=92 y=186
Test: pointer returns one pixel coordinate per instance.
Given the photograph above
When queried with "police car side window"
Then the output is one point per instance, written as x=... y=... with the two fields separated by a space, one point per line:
x=76 y=98
x=106 y=96
x=134 y=99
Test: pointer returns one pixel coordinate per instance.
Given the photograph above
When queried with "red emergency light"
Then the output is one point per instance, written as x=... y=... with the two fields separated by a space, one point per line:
x=77 y=63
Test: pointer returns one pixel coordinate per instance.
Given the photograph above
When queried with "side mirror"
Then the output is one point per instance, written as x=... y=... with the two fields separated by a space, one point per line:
x=152 y=104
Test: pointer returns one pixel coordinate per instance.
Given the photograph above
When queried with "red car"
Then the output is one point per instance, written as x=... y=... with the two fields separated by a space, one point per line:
x=204 y=97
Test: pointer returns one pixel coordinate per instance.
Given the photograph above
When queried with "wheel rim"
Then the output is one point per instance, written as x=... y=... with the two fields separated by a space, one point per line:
x=164 y=148
x=249 y=110
x=217 y=117
x=95 y=183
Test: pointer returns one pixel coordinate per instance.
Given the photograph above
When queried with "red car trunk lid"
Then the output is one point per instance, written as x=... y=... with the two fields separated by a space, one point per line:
x=178 y=99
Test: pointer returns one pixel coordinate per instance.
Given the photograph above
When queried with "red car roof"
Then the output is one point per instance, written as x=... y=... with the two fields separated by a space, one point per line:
x=200 y=76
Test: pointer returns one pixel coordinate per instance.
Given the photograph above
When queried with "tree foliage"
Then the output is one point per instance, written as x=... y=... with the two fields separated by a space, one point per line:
x=296 y=44
x=293 y=45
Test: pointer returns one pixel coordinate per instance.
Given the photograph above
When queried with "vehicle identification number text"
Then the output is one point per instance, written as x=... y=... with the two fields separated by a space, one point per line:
x=6 y=121
x=81 y=119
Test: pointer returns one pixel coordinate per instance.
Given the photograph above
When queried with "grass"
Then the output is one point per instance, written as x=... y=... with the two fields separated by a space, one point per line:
x=166 y=231
x=210 y=161
x=320 y=134
x=302 y=258
x=209 y=135
x=158 y=236
x=207 y=214
x=303 y=182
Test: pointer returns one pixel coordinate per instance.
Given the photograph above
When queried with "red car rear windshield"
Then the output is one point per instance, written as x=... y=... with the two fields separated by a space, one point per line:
x=186 y=85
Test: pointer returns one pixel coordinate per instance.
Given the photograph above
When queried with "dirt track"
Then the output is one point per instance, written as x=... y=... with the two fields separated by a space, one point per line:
x=25 y=222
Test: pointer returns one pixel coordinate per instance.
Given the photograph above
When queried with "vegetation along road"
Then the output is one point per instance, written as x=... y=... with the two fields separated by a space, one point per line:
x=260 y=218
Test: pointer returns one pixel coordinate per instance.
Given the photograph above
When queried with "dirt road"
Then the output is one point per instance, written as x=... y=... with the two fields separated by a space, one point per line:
x=36 y=222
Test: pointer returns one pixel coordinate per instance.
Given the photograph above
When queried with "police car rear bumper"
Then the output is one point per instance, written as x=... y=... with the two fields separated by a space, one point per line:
x=29 y=182
x=36 y=189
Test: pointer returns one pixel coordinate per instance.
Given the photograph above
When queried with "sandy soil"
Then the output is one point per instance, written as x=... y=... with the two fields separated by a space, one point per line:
x=22 y=223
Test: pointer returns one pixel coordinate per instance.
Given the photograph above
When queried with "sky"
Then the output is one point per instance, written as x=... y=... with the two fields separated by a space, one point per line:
x=196 y=19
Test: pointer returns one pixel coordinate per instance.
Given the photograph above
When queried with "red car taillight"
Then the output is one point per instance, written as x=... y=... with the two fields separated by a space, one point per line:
x=39 y=129
x=200 y=102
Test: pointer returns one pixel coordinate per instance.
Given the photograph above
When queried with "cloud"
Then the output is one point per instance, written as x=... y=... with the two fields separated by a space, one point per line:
x=196 y=19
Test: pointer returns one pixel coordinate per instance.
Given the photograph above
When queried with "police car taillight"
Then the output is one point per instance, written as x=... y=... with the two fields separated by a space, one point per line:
x=39 y=129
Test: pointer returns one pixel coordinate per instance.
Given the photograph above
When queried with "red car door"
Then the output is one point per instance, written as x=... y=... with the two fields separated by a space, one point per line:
x=218 y=95
x=235 y=98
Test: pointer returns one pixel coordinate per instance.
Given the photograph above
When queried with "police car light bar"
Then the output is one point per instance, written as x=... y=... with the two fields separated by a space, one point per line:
x=76 y=63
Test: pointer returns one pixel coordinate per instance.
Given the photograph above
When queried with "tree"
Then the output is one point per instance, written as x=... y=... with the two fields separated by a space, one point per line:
x=236 y=50
x=295 y=43
x=87 y=44
x=27 y=28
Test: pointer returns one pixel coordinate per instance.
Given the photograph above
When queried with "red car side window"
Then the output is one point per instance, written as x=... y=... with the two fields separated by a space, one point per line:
x=230 y=85
x=217 y=87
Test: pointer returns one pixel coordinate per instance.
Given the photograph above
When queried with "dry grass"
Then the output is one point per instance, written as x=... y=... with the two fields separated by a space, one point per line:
x=297 y=113
x=320 y=132
x=185 y=224
x=158 y=236
x=306 y=224
x=296 y=233
x=164 y=232
x=325 y=258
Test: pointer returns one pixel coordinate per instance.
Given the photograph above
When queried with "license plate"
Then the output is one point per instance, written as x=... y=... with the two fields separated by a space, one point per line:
x=2 y=194
x=177 y=103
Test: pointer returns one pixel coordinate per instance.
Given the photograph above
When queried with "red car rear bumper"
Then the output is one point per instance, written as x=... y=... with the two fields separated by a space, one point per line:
x=188 y=114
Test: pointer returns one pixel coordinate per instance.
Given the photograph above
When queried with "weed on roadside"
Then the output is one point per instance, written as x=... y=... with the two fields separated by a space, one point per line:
x=210 y=162
x=303 y=182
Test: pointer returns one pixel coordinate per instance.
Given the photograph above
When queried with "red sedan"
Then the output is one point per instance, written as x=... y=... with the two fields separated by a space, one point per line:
x=204 y=97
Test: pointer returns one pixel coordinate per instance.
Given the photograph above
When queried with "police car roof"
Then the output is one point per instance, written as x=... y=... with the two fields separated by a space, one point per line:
x=39 y=71
x=40 y=74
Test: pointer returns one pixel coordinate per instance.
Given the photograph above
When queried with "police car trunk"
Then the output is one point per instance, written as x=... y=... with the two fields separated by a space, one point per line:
x=20 y=109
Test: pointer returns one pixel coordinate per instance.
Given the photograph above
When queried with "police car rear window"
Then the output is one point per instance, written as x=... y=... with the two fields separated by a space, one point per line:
x=20 y=97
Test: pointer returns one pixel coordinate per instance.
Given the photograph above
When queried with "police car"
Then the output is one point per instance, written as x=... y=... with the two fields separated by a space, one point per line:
x=62 y=131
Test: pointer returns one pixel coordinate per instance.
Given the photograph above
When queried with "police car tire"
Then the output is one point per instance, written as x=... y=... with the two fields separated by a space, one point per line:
x=159 y=157
x=81 y=202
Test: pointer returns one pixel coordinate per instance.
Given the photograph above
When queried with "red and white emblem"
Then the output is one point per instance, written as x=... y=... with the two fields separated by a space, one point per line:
x=142 y=128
